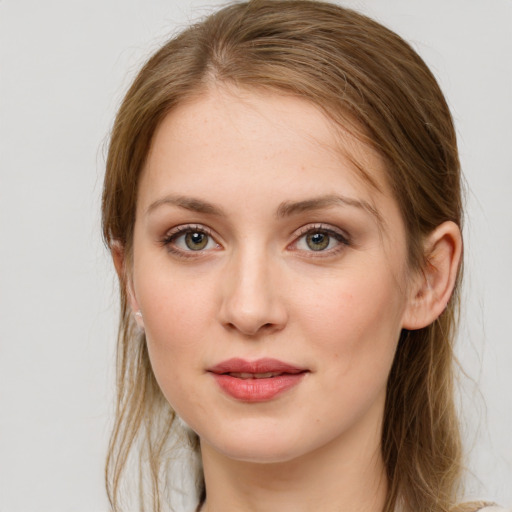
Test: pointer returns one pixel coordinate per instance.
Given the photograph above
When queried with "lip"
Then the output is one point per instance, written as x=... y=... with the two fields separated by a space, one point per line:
x=256 y=389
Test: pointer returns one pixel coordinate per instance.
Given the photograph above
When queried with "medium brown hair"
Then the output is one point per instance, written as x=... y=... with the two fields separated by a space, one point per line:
x=370 y=81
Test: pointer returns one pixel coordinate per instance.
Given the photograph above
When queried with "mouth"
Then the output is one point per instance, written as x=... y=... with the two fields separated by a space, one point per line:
x=261 y=367
x=246 y=376
x=256 y=381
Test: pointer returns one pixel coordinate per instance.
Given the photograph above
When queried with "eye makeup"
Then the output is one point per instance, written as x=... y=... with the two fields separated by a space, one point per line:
x=313 y=240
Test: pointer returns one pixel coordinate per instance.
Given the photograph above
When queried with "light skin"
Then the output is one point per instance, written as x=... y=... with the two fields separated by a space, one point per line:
x=254 y=238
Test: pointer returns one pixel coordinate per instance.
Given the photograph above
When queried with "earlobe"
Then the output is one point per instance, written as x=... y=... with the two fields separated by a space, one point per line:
x=118 y=256
x=433 y=288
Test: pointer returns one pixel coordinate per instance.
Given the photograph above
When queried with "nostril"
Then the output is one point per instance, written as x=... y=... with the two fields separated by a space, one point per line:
x=252 y=330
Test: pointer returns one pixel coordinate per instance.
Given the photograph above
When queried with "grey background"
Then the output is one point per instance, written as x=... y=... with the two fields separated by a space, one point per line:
x=64 y=66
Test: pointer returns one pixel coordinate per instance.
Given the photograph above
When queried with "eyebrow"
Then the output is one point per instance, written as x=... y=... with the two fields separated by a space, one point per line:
x=285 y=209
x=188 y=203
x=289 y=208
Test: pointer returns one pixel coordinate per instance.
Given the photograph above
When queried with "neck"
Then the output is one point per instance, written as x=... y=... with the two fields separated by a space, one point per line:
x=341 y=476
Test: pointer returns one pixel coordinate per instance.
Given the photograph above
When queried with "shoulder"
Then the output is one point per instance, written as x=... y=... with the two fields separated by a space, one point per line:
x=480 y=507
x=493 y=508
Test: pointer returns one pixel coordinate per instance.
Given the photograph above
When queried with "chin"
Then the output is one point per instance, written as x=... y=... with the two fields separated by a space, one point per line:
x=259 y=454
x=263 y=446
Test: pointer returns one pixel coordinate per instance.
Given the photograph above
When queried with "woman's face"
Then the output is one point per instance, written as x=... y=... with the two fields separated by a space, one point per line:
x=271 y=278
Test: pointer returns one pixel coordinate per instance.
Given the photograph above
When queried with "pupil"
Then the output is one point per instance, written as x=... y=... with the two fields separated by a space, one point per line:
x=318 y=241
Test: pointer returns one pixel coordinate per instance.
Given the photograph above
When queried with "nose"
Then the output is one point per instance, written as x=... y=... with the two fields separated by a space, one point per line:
x=252 y=304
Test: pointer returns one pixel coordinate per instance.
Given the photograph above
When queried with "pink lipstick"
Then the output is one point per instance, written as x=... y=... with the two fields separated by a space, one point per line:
x=256 y=381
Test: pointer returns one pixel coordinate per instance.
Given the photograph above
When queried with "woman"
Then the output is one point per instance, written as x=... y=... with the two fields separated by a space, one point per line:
x=282 y=202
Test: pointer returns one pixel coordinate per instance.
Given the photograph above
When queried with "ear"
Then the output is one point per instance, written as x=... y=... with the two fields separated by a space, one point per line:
x=433 y=287
x=125 y=279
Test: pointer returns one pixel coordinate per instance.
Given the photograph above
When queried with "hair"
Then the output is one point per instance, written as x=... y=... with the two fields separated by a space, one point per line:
x=366 y=79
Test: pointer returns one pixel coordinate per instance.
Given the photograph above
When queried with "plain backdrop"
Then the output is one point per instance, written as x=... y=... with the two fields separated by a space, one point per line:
x=64 y=65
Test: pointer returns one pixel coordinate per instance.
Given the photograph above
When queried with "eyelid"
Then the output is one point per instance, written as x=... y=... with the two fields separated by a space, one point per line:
x=318 y=226
x=184 y=228
x=174 y=233
x=341 y=236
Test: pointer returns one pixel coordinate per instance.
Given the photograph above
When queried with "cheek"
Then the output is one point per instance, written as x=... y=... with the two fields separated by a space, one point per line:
x=177 y=313
x=172 y=301
x=355 y=326
x=356 y=319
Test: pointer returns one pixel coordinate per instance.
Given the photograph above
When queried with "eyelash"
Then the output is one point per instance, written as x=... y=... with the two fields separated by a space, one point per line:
x=171 y=237
x=342 y=239
x=178 y=232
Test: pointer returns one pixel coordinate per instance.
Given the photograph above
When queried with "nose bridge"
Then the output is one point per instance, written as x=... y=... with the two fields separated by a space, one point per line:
x=250 y=299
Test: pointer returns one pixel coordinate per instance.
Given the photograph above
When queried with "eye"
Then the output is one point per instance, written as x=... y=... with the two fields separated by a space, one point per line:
x=320 y=239
x=195 y=240
x=186 y=239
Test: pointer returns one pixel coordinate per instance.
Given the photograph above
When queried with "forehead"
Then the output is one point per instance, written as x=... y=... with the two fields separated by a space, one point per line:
x=239 y=141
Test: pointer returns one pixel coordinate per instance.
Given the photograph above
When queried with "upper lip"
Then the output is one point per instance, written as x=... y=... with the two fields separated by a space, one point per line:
x=265 y=365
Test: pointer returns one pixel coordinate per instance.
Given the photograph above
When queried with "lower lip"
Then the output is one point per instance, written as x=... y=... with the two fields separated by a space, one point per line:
x=257 y=390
